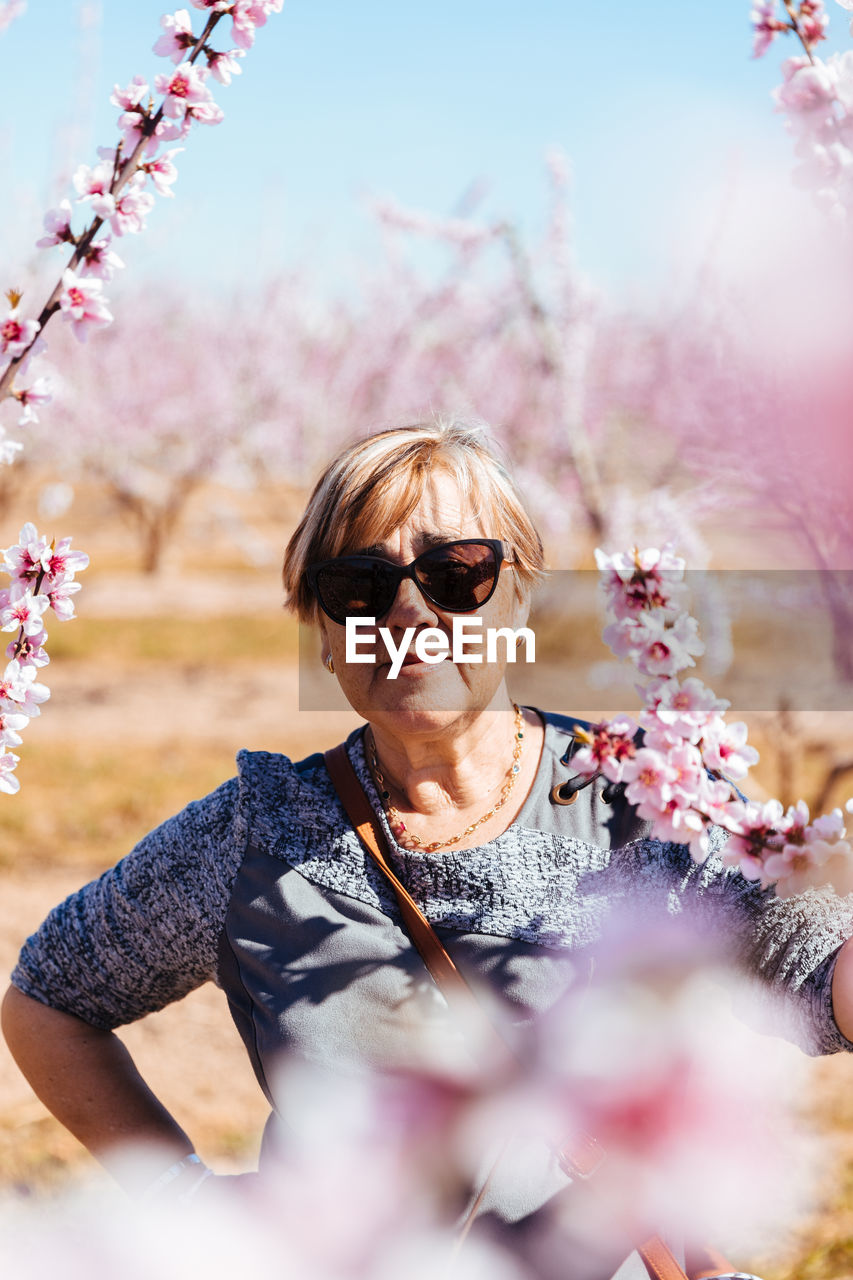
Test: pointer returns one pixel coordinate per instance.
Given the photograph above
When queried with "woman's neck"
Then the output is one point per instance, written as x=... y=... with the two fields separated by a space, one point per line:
x=458 y=768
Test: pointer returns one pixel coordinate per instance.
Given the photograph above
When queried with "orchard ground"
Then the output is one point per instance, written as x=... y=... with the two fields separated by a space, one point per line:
x=154 y=688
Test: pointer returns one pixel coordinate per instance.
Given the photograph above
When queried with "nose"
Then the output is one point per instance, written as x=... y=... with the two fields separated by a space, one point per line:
x=410 y=608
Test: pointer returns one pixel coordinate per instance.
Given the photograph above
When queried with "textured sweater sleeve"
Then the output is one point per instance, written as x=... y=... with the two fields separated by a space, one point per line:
x=790 y=944
x=147 y=931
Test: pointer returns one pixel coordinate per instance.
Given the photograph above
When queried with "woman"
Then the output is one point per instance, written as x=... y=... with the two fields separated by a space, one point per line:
x=265 y=887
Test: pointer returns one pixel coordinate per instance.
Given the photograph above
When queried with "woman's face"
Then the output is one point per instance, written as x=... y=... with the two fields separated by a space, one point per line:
x=426 y=696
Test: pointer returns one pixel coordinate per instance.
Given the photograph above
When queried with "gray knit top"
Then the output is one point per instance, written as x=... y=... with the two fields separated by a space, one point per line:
x=264 y=888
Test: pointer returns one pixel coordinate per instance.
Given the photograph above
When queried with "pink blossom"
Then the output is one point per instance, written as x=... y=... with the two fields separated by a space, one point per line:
x=650 y=777
x=766 y=26
x=670 y=650
x=82 y=304
x=100 y=260
x=756 y=829
x=171 y=130
x=94 y=184
x=656 y=648
x=24 y=612
x=223 y=65
x=808 y=88
x=60 y=601
x=132 y=126
x=8 y=784
x=605 y=748
x=686 y=764
x=19 y=686
x=184 y=88
x=713 y=799
x=9 y=449
x=61 y=563
x=16 y=334
x=35 y=563
x=658 y=736
x=812 y=854
x=29 y=650
x=678 y=823
x=800 y=866
x=57 y=224
x=795 y=822
x=829 y=826
x=32 y=398
x=129 y=99
x=684 y=708
x=178 y=36
x=24 y=561
x=132 y=207
x=641 y=580
x=724 y=748
x=246 y=15
x=205 y=113
x=813 y=21
x=216 y=6
x=11 y=722
x=162 y=171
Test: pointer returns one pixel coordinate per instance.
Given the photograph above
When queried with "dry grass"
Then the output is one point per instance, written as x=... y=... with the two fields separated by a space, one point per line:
x=223 y=641
x=84 y=807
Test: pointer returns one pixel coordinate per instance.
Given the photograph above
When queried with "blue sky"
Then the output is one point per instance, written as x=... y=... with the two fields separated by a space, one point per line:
x=658 y=106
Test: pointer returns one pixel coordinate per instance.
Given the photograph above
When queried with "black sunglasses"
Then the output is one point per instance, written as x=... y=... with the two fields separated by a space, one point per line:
x=456 y=577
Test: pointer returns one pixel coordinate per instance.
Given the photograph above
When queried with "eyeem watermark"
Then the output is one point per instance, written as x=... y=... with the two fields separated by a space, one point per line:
x=433 y=645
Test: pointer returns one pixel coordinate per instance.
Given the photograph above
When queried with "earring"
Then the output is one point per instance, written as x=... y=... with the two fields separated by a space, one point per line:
x=329 y=664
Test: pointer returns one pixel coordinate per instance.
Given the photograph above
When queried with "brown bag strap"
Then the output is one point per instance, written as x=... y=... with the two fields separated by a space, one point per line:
x=360 y=811
x=660 y=1261
x=583 y=1155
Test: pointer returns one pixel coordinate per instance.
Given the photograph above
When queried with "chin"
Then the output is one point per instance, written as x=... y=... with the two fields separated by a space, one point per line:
x=420 y=700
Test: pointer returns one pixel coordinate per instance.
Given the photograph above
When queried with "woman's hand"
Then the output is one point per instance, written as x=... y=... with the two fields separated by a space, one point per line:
x=88 y=1080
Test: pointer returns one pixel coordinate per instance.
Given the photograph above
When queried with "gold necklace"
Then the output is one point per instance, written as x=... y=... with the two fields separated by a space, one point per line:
x=396 y=822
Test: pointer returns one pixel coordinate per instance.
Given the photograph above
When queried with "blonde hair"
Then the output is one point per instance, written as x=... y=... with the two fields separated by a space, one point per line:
x=373 y=487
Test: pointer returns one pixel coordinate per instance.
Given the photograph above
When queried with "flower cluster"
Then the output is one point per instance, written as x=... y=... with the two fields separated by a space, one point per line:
x=42 y=578
x=119 y=190
x=809 y=21
x=816 y=97
x=679 y=762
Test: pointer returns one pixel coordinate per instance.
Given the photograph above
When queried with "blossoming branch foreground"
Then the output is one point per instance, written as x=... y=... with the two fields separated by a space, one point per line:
x=117 y=189
x=679 y=772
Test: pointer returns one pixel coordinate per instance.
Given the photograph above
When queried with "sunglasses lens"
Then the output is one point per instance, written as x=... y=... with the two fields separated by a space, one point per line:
x=458 y=577
x=356 y=588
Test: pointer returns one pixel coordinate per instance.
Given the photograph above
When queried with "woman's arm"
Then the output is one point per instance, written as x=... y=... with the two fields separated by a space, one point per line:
x=88 y=1080
x=842 y=990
